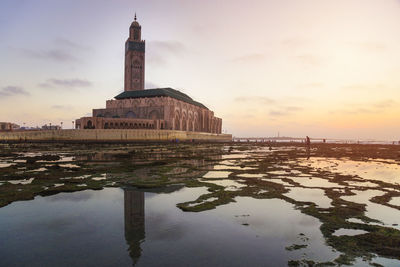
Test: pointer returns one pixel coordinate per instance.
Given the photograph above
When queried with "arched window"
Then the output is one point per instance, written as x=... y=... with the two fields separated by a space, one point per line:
x=154 y=115
x=130 y=114
x=177 y=123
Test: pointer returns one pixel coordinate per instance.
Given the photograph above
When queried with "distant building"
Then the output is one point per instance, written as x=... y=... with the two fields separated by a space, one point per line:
x=140 y=108
x=8 y=126
x=51 y=127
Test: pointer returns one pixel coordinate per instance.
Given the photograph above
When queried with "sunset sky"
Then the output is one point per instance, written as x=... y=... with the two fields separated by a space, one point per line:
x=299 y=67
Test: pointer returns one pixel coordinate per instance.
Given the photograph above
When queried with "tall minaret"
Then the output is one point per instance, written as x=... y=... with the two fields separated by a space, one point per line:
x=134 y=58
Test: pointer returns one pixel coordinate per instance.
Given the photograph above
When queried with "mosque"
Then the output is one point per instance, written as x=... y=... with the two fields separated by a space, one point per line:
x=140 y=108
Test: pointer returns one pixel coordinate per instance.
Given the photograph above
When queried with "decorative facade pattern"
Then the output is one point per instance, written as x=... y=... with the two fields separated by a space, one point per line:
x=161 y=108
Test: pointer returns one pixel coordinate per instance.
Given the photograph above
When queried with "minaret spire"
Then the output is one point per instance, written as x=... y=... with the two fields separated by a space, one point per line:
x=134 y=58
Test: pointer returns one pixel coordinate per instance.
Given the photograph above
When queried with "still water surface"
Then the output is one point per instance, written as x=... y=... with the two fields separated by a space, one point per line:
x=120 y=227
x=256 y=207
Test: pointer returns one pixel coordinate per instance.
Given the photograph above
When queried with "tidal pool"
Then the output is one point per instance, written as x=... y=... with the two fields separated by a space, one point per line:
x=124 y=226
x=395 y=201
x=313 y=195
x=349 y=232
x=388 y=216
x=229 y=185
x=368 y=169
x=316 y=182
x=217 y=174
x=198 y=205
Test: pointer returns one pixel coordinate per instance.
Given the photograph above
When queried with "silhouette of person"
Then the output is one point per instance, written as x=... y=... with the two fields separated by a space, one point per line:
x=308 y=144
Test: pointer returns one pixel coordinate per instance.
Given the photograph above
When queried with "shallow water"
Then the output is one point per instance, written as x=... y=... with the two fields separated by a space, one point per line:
x=349 y=232
x=395 y=201
x=388 y=216
x=316 y=182
x=249 y=206
x=125 y=226
x=217 y=174
x=316 y=196
x=372 y=169
x=229 y=185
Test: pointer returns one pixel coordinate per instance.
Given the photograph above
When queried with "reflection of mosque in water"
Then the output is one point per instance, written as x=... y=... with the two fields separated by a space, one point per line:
x=134 y=222
x=134 y=209
x=135 y=217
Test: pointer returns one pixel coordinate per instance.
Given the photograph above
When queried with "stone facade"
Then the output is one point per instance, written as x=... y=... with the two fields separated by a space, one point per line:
x=160 y=108
x=152 y=113
x=134 y=58
x=111 y=135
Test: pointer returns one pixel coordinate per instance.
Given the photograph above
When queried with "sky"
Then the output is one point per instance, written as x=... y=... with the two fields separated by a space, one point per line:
x=322 y=68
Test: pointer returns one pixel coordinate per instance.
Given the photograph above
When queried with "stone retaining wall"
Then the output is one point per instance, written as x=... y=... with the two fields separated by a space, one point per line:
x=112 y=135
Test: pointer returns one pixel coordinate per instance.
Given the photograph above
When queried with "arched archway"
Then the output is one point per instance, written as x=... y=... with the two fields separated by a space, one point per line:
x=184 y=123
x=177 y=123
x=154 y=115
x=130 y=114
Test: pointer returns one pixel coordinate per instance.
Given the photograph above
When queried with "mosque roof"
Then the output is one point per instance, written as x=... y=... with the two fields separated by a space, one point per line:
x=159 y=92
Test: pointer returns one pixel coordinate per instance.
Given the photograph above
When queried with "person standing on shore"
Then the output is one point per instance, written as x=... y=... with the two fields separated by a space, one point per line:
x=308 y=145
x=308 y=142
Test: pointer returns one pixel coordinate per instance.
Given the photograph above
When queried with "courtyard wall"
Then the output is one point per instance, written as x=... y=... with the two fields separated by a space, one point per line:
x=112 y=135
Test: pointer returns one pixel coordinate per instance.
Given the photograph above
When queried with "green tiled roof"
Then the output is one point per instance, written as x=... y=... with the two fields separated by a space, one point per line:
x=159 y=92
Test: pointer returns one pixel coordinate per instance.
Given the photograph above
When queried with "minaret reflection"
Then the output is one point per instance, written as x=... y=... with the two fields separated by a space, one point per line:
x=134 y=222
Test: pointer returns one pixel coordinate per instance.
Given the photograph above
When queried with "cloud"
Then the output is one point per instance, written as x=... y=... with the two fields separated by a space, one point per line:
x=69 y=44
x=172 y=47
x=384 y=104
x=293 y=108
x=250 y=58
x=57 y=55
x=364 y=87
x=311 y=85
x=294 y=42
x=367 y=108
x=276 y=113
x=62 y=107
x=256 y=99
x=70 y=83
x=13 y=90
x=159 y=51
x=370 y=46
x=308 y=60
x=284 y=111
